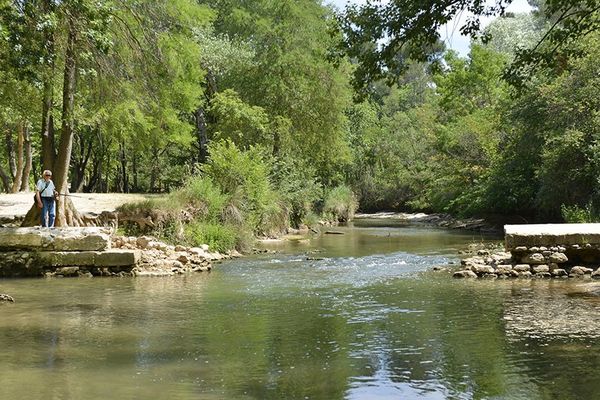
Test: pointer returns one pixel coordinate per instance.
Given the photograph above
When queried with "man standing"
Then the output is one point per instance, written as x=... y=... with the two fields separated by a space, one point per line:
x=45 y=198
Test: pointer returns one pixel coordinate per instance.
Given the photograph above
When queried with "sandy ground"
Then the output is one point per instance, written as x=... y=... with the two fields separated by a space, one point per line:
x=16 y=205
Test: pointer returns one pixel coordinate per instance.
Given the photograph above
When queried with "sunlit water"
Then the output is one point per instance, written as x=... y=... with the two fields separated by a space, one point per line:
x=365 y=318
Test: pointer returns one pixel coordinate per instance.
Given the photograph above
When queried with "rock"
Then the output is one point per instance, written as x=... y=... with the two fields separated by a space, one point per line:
x=480 y=269
x=525 y=274
x=142 y=242
x=542 y=275
x=464 y=274
x=541 y=269
x=578 y=270
x=483 y=252
x=504 y=269
x=596 y=274
x=558 y=272
x=6 y=298
x=502 y=257
x=67 y=271
x=558 y=258
x=183 y=258
x=204 y=247
x=522 y=267
x=535 y=258
x=520 y=249
x=180 y=248
x=534 y=249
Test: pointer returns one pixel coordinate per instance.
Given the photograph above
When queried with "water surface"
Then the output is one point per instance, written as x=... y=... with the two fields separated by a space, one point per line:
x=365 y=318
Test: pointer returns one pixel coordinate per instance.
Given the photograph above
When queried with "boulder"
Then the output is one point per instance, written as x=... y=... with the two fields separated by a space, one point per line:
x=534 y=258
x=464 y=274
x=558 y=258
x=482 y=269
x=578 y=270
x=541 y=269
x=504 y=269
x=559 y=272
x=522 y=268
x=6 y=298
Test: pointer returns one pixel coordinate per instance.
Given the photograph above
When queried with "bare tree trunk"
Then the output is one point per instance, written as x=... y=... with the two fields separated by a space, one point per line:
x=16 y=185
x=28 y=161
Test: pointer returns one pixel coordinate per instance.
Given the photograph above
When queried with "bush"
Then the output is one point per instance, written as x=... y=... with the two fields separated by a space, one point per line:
x=244 y=175
x=217 y=236
x=340 y=204
x=575 y=214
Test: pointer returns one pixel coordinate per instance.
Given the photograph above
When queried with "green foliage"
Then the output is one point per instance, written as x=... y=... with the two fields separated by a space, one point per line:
x=244 y=175
x=384 y=36
x=219 y=237
x=575 y=214
x=340 y=204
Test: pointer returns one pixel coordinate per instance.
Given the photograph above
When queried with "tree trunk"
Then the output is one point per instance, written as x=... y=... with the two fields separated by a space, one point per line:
x=10 y=154
x=17 y=180
x=201 y=135
x=65 y=210
x=28 y=161
x=47 y=131
x=124 y=177
x=5 y=180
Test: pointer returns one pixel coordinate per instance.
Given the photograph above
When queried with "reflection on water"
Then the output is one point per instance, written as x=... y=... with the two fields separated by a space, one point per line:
x=367 y=321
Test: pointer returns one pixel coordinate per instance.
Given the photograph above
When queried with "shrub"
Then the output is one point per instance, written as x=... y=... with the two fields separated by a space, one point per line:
x=341 y=204
x=244 y=175
x=217 y=236
x=576 y=214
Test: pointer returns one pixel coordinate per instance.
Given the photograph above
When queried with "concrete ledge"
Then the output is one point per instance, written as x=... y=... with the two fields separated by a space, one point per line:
x=551 y=235
x=59 y=239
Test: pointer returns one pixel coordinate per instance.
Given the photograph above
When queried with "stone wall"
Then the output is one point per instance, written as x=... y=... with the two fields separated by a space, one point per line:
x=541 y=251
x=87 y=252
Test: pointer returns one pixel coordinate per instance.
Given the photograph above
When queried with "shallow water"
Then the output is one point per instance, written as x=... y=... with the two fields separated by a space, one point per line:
x=365 y=319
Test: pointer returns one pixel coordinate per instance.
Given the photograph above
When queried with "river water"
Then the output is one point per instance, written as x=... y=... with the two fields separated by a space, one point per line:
x=364 y=318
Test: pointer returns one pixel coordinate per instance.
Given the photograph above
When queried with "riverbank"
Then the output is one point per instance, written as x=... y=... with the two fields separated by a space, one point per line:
x=438 y=220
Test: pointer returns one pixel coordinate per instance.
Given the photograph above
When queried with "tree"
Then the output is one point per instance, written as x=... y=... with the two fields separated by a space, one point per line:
x=377 y=32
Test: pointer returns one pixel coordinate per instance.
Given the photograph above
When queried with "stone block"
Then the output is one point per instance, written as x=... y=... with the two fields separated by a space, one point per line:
x=56 y=239
x=549 y=235
x=117 y=258
x=64 y=258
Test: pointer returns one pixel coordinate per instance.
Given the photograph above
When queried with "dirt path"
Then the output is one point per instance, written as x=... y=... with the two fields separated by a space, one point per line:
x=17 y=205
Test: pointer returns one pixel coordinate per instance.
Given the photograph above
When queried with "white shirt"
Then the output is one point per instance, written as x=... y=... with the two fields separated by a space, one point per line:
x=49 y=191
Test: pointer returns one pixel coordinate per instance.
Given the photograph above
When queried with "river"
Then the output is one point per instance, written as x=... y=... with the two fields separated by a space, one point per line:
x=353 y=316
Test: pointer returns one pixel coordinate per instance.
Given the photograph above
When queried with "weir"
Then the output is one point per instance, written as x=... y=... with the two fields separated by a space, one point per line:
x=36 y=251
x=541 y=251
